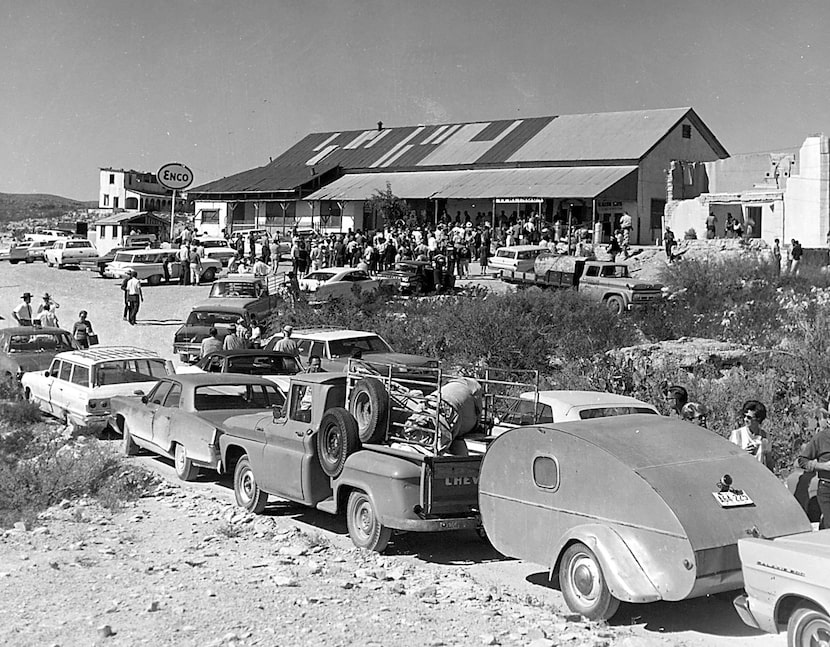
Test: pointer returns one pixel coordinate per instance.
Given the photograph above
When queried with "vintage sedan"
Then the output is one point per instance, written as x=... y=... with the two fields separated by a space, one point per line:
x=248 y=290
x=635 y=508
x=182 y=417
x=23 y=349
x=787 y=583
x=215 y=313
x=410 y=277
x=79 y=385
x=336 y=283
x=274 y=366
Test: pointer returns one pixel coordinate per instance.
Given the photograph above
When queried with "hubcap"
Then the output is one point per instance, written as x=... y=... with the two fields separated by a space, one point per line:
x=364 y=519
x=247 y=485
x=363 y=409
x=585 y=578
x=816 y=634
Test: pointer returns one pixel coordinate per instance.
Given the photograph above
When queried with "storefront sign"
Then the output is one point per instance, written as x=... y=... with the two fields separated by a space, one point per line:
x=175 y=176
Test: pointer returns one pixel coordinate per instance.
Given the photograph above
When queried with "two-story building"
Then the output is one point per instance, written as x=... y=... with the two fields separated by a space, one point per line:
x=585 y=169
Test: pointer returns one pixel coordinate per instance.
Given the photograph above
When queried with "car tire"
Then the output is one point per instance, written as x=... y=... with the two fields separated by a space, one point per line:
x=337 y=439
x=155 y=279
x=209 y=275
x=583 y=584
x=365 y=529
x=615 y=305
x=247 y=493
x=15 y=262
x=128 y=446
x=808 y=626
x=369 y=404
x=185 y=469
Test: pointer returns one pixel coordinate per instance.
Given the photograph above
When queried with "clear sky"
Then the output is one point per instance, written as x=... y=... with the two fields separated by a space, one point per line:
x=222 y=85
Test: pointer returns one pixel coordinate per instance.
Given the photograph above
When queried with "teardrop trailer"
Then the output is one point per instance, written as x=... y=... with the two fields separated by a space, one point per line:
x=636 y=508
x=375 y=442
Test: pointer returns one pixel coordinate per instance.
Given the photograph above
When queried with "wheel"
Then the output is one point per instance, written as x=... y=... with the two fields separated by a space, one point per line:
x=209 y=275
x=364 y=528
x=615 y=305
x=30 y=260
x=49 y=263
x=15 y=262
x=155 y=279
x=245 y=488
x=101 y=269
x=185 y=469
x=369 y=404
x=128 y=446
x=337 y=439
x=583 y=584
x=808 y=627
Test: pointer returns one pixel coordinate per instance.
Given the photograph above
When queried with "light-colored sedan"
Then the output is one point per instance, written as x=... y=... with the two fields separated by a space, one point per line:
x=336 y=283
x=183 y=416
x=79 y=385
x=218 y=248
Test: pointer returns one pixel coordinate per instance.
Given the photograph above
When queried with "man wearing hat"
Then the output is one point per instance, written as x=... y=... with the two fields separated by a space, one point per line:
x=23 y=312
x=286 y=344
x=232 y=340
x=48 y=304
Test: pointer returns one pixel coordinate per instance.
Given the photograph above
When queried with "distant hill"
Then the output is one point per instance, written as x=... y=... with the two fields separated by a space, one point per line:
x=18 y=206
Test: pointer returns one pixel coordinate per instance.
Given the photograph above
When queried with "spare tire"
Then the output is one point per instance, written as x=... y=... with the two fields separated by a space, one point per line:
x=369 y=404
x=337 y=439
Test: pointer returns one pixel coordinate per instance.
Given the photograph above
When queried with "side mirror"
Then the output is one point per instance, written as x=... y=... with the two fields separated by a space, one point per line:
x=138 y=392
x=144 y=399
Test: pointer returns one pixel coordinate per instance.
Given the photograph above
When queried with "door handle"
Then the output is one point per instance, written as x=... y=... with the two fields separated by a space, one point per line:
x=299 y=433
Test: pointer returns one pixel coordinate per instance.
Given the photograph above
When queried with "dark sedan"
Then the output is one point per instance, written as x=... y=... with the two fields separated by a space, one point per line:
x=271 y=365
x=25 y=348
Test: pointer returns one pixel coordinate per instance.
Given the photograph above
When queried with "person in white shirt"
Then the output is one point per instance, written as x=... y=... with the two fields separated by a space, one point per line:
x=23 y=312
x=48 y=318
x=134 y=297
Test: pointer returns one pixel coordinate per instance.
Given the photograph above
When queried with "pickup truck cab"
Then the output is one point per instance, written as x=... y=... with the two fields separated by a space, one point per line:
x=69 y=251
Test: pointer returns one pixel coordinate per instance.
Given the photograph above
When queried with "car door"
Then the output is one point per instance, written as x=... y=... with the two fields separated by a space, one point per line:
x=58 y=393
x=76 y=393
x=41 y=389
x=141 y=420
x=168 y=415
x=289 y=440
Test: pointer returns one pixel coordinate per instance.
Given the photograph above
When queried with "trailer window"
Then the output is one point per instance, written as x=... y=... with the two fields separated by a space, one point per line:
x=546 y=472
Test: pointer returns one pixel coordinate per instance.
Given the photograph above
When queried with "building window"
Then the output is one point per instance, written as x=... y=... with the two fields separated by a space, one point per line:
x=114 y=231
x=210 y=216
x=658 y=207
x=131 y=203
x=115 y=202
x=112 y=178
x=106 y=200
x=687 y=131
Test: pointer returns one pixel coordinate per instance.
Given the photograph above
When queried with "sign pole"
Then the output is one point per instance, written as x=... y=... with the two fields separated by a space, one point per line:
x=172 y=215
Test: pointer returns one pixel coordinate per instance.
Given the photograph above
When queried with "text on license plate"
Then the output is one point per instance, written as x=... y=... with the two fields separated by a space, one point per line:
x=731 y=499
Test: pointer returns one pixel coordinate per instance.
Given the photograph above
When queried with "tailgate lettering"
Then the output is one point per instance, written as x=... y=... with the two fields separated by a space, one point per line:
x=455 y=481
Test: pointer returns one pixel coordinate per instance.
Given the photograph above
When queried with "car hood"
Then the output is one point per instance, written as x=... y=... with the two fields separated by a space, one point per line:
x=400 y=358
x=231 y=302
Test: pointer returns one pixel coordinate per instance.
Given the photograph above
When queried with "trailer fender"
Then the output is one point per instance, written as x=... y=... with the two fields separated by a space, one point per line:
x=623 y=573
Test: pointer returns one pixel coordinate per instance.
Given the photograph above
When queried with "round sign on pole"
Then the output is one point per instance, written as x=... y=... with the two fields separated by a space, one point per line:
x=175 y=176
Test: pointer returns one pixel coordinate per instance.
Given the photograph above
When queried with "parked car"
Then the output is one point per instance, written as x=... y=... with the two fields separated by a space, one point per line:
x=516 y=258
x=787 y=586
x=69 y=251
x=335 y=346
x=410 y=277
x=23 y=348
x=215 y=313
x=336 y=283
x=182 y=417
x=149 y=265
x=252 y=292
x=20 y=252
x=634 y=508
x=218 y=248
x=277 y=367
x=99 y=263
x=79 y=385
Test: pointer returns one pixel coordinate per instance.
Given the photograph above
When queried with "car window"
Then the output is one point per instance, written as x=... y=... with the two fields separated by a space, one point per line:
x=320 y=276
x=38 y=342
x=605 y=412
x=521 y=413
x=301 y=403
x=205 y=318
x=237 y=396
x=592 y=271
x=505 y=253
x=357 y=276
x=527 y=254
x=317 y=348
x=263 y=365
x=77 y=244
x=344 y=347
x=65 y=372
x=80 y=375
x=123 y=258
x=129 y=370
x=174 y=397
x=159 y=392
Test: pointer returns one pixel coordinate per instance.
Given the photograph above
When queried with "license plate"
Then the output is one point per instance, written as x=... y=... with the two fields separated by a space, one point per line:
x=732 y=499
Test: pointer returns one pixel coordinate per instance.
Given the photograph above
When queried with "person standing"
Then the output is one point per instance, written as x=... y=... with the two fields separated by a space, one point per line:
x=751 y=437
x=82 y=329
x=484 y=250
x=287 y=344
x=195 y=265
x=48 y=304
x=670 y=242
x=275 y=254
x=48 y=318
x=711 y=225
x=255 y=339
x=184 y=261
x=626 y=225
x=676 y=397
x=815 y=457
x=134 y=297
x=232 y=341
x=796 y=252
x=776 y=257
x=23 y=311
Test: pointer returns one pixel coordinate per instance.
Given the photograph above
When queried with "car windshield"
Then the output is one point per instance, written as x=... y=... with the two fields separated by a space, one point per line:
x=234 y=289
x=344 y=347
x=320 y=276
x=129 y=370
x=78 y=243
x=236 y=396
x=206 y=318
x=605 y=412
x=124 y=258
x=40 y=343
x=263 y=365
x=505 y=253
x=215 y=243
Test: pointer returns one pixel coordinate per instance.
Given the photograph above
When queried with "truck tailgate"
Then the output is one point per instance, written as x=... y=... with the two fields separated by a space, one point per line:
x=450 y=485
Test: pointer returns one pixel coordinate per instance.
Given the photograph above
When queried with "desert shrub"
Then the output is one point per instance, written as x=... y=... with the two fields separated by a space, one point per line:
x=40 y=467
x=20 y=412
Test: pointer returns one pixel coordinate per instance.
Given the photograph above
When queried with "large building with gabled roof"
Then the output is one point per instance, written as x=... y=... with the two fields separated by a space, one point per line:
x=587 y=169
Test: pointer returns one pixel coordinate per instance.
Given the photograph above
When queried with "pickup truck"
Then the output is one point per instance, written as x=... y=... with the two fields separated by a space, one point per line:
x=605 y=281
x=311 y=452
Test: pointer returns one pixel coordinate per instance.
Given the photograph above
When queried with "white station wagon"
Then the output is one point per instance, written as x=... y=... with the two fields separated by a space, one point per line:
x=79 y=384
x=69 y=251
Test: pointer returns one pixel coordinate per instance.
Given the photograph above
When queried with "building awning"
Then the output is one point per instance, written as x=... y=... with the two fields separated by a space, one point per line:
x=549 y=182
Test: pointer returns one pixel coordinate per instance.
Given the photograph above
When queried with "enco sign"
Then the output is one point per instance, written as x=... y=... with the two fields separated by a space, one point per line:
x=175 y=176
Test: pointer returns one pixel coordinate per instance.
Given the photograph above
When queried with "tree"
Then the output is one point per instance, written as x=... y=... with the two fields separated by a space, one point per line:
x=388 y=205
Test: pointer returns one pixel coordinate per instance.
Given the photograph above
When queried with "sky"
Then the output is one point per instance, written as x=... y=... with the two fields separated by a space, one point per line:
x=224 y=86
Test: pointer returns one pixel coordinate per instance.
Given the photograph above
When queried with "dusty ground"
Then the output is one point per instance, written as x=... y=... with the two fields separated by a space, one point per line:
x=185 y=567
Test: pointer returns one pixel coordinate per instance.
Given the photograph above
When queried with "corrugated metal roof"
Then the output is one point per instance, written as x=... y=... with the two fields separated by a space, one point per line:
x=624 y=137
x=578 y=181
x=126 y=216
